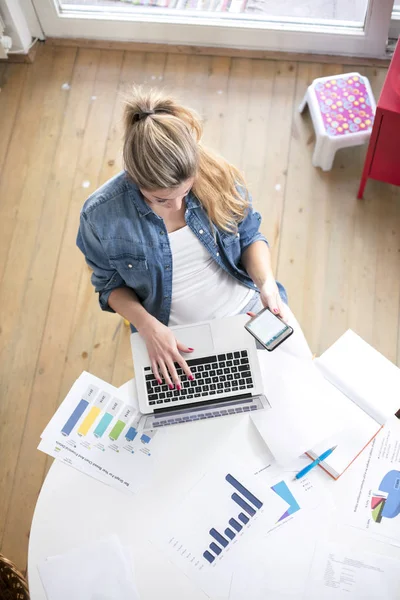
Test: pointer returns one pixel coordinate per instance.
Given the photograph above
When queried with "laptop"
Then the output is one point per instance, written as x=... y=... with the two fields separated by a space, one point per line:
x=227 y=376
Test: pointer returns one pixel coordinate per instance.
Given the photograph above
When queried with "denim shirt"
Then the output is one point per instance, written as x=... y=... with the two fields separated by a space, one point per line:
x=126 y=244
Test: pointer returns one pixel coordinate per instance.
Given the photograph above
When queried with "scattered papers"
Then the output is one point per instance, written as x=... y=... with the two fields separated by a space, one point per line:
x=338 y=571
x=100 y=433
x=101 y=570
x=373 y=503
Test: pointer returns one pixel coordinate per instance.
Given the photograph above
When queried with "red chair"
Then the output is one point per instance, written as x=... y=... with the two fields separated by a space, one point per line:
x=383 y=156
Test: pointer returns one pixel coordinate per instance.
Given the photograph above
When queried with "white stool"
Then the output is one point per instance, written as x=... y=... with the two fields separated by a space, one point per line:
x=342 y=109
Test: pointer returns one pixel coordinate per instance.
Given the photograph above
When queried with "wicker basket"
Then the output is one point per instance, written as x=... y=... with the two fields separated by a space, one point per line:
x=12 y=583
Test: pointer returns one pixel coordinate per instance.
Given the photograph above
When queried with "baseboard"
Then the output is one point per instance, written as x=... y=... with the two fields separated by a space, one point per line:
x=218 y=51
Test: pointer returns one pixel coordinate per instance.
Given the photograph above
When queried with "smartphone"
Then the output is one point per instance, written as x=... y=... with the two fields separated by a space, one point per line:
x=269 y=329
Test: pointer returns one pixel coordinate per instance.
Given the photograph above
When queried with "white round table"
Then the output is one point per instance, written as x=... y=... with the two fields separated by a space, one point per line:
x=73 y=509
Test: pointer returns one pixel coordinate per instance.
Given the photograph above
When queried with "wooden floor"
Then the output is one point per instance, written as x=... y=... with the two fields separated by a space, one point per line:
x=60 y=138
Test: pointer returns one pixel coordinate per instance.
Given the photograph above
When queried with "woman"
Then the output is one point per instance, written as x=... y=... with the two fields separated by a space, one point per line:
x=174 y=239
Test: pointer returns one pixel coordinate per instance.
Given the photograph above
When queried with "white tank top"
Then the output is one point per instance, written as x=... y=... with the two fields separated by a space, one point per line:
x=201 y=289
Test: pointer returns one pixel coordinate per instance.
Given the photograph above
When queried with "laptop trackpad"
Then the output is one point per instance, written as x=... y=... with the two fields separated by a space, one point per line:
x=198 y=337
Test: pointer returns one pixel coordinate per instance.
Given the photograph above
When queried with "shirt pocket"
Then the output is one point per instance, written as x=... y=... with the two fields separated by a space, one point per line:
x=132 y=268
x=231 y=245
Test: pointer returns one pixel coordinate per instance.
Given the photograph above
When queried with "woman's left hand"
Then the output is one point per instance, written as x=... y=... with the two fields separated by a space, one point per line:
x=270 y=297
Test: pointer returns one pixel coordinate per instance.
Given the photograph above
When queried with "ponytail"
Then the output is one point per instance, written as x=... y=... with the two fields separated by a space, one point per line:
x=162 y=149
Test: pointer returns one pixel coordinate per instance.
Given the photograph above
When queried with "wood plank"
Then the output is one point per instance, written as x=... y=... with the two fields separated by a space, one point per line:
x=19 y=360
x=24 y=235
x=218 y=51
x=195 y=81
x=236 y=111
x=19 y=156
x=12 y=79
x=303 y=194
x=257 y=138
x=271 y=189
x=215 y=106
x=174 y=75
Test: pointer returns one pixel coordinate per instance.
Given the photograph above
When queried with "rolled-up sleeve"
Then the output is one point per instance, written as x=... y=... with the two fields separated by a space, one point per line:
x=104 y=278
x=249 y=228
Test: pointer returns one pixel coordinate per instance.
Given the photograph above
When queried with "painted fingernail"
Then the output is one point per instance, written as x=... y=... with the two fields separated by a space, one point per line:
x=191 y=349
x=159 y=381
x=276 y=310
x=171 y=386
x=191 y=377
x=178 y=387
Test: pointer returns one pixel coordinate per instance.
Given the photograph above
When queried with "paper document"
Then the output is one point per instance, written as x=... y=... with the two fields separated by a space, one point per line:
x=224 y=512
x=305 y=408
x=99 y=432
x=339 y=572
x=364 y=375
x=100 y=570
x=373 y=503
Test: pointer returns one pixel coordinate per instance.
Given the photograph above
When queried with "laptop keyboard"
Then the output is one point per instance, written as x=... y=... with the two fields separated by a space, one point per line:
x=216 y=374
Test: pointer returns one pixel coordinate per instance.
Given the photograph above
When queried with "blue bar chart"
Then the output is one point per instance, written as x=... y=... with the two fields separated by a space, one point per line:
x=75 y=416
x=246 y=502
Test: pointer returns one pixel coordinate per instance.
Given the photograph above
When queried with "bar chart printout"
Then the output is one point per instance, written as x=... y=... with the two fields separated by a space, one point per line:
x=205 y=533
x=245 y=500
x=79 y=410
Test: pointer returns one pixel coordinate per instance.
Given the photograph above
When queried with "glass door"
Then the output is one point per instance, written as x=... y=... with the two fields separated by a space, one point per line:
x=353 y=27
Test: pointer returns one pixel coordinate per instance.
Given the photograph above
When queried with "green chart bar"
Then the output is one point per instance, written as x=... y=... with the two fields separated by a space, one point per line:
x=117 y=430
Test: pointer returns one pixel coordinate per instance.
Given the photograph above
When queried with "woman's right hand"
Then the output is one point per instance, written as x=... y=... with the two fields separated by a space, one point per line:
x=164 y=350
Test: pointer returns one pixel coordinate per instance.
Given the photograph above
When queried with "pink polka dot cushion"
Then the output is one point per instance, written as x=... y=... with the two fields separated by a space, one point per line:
x=345 y=105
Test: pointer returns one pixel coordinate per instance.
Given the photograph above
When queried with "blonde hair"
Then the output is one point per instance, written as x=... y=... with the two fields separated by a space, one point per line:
x=162 y=149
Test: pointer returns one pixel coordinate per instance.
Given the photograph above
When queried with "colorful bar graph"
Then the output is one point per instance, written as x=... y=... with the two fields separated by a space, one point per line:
x=244 y=491
x=131 y=434
x=89 y=420
x=218 y=537
x=215 y=548
x=229 y=533
x=103 y=424
x=117 y=430
x=74 y=418
x=208 y=556
x=243 y=504
x=242 y=517
x=235 y=525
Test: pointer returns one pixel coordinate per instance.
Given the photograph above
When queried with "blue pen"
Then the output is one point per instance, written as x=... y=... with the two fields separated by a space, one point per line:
x=314 y=463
